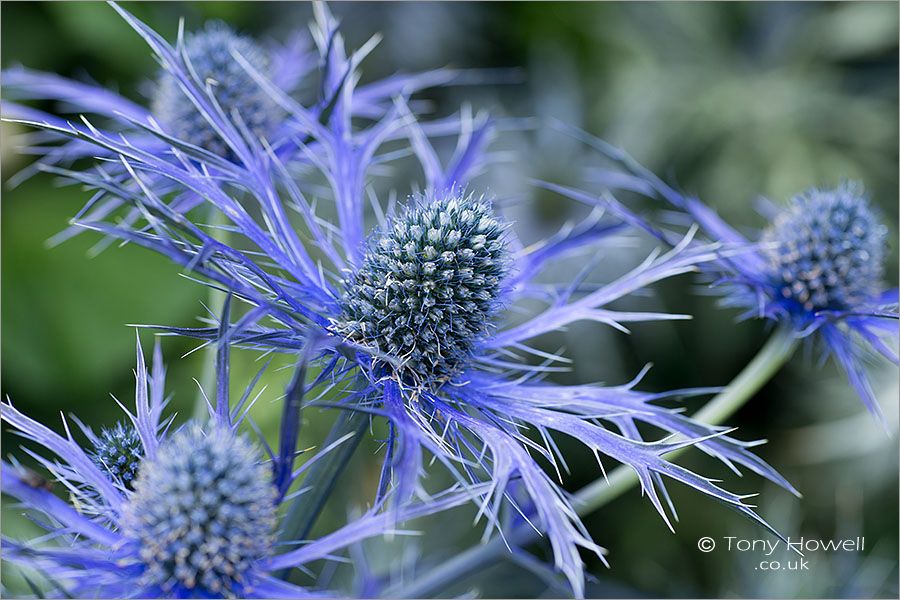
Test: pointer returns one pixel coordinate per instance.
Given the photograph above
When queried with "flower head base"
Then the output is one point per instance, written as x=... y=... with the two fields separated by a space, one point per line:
x=428 y=287
x=203 y=512
x=118 y=452
x=210 y=54
x=826 y=251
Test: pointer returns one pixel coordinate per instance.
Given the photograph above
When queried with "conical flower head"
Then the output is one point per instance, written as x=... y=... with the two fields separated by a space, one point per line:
x=210 y=54
x=118 y=452
x=826 y=251
x=202 y=514
x=428 y=288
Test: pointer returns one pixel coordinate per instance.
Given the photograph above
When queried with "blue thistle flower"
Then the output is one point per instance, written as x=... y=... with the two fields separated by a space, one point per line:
x=817 y=267
x=119 y=451
x=459 y=385
x=199 y=71
x=203 y=512
x=470 y=402
x=221 y=100
x=826 y=250
x=427 y=291
x=199 y=521
x=209 y=53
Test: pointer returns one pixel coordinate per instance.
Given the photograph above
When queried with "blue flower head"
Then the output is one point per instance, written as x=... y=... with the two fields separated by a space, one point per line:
x=209 y=53
x=199 y=521
x=203 y=512
x=220 y=99
x=817 y=268
x=427 y=290
x=119 y=451
x=826 y=250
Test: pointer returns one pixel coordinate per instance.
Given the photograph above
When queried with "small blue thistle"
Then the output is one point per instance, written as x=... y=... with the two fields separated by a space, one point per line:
x=428 y=286
x=118 y=452
x=199 y=522
x=817 y=268
x=203 y=512
x=826 y=251
x=210 y=54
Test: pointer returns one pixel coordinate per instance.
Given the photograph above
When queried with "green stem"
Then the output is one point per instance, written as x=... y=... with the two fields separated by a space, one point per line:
x=321 y=479
x=765 y=364
x=215 y=301
x=777 y=350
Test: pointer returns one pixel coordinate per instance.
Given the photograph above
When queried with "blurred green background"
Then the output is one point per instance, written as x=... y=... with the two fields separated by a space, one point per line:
x=727 y=100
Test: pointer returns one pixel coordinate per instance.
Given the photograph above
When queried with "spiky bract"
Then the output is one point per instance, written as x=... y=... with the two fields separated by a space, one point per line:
x=428 y=287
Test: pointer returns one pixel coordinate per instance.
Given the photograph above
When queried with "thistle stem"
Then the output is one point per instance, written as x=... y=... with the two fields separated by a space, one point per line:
x=321 y=479
x=771 y=357
x=215 y=301
x=776 y=351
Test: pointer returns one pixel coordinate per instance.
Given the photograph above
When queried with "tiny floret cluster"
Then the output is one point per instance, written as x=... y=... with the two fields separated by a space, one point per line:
x=118 y=452
x=826 y=251
x=210 y=54
x=428 y=287
x=203 y=513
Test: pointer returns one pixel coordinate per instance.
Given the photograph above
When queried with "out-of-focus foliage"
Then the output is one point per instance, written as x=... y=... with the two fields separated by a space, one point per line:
x=729 y=100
